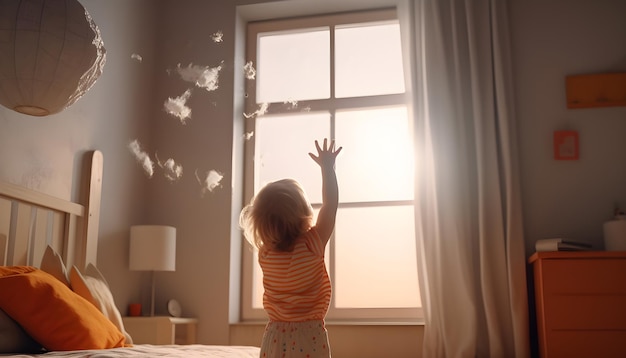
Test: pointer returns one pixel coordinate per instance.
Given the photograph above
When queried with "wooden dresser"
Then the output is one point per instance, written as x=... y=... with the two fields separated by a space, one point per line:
x=581 y=303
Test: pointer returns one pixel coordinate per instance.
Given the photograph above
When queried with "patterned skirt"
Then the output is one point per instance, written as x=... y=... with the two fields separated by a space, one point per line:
x=307 y=339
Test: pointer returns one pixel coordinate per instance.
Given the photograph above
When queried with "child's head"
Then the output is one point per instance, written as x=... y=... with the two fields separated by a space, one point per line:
x=277 y=216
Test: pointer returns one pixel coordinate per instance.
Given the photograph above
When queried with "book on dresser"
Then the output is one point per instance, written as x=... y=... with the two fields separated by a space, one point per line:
x=558 y=244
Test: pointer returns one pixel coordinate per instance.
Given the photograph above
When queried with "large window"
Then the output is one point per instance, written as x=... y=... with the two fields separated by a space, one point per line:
x=338 y=76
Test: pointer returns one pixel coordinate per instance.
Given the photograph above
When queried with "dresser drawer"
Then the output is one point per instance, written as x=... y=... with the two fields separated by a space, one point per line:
x=588 y=312
x=587 y=344
x=588 y=276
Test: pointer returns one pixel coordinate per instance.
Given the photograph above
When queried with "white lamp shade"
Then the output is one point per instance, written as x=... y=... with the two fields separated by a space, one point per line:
x=152 y=248
x=51 y=53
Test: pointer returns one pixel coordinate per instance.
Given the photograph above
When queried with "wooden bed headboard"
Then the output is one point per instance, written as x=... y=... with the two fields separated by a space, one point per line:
x=30 y=220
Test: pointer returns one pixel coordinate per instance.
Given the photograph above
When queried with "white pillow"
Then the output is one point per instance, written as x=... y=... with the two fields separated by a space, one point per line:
x=92 y=271
x=93 y=287
x=52 y=263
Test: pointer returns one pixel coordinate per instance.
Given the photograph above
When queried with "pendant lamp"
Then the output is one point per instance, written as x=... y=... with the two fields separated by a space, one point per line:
x=51 y=53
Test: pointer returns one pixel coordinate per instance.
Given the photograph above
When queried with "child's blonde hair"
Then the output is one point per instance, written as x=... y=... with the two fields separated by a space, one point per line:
x=277 y=216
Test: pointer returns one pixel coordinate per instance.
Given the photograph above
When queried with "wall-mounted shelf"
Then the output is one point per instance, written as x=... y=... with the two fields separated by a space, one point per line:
x=597 y=90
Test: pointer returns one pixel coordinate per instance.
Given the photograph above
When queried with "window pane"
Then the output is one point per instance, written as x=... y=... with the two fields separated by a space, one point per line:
x=378 y=161
x=293 y=66
x=283 y=144
x=375 y=258
x=366 y=55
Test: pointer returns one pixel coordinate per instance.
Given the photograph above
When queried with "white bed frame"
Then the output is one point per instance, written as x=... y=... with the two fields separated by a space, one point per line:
x=30 y=220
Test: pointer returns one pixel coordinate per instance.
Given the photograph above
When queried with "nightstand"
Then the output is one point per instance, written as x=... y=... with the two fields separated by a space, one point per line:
x=161 y=330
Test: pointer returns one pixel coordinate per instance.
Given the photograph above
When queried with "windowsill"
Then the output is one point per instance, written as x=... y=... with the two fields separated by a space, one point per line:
x=343 y=323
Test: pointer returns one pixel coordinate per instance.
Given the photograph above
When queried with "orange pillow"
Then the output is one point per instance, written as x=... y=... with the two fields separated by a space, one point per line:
x=52 y=314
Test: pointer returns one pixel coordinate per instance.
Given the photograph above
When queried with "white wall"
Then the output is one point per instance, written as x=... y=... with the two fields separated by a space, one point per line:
x=204 y=143
x=553 y=39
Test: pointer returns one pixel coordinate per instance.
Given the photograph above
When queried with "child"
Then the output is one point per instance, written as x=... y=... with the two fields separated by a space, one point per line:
x=279 y=221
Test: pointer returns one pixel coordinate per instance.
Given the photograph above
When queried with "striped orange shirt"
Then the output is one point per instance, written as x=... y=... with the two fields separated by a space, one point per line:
x=297 y=286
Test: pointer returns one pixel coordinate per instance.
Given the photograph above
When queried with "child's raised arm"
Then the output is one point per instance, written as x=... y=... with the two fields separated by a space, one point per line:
x=330 y=191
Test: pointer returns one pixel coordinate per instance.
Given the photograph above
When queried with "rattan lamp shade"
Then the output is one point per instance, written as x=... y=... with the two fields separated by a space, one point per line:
x=51 y=53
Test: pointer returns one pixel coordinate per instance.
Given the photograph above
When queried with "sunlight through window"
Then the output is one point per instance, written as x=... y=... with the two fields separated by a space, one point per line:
x=354 y=93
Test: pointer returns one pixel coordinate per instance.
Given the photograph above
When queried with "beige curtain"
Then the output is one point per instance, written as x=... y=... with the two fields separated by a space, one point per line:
x=469 y=219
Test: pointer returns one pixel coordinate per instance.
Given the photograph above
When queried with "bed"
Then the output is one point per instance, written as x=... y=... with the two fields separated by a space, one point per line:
x=54 y=302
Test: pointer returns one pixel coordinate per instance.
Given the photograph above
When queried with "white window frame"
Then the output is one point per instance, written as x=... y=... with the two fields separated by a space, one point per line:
x=248 y=313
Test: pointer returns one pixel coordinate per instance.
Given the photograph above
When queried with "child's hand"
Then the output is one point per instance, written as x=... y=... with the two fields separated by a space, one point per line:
x=325 y=158
x=326 y=155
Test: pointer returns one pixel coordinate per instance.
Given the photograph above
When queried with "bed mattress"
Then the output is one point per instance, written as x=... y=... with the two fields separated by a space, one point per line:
x=148 y=350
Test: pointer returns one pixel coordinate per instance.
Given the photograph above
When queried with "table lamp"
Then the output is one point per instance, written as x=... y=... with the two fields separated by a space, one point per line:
x=152 y=248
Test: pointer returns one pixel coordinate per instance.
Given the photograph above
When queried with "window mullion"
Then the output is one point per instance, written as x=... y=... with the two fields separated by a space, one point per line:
x=337 y=104
x=332 y=61
x=331 y=242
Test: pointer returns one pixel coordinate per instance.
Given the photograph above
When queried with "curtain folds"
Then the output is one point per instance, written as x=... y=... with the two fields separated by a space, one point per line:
x=469 y=215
